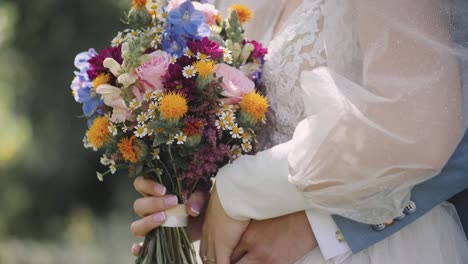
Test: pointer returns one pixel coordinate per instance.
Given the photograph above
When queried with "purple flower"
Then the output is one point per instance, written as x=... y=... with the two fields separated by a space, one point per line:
x=205 y=46
x=185 y=19
x=96 y=62
x=175 y=81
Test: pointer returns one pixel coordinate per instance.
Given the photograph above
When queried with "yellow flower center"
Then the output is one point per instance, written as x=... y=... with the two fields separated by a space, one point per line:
x=244 y=13
x=173 y=105
x=255 y=104
x=99 y=133
x=204 y=68
x=235 y=130
x=103 y=78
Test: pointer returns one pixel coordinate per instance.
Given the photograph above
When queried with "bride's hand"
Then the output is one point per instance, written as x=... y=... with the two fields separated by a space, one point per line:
x=151 y=208
x=221 y=233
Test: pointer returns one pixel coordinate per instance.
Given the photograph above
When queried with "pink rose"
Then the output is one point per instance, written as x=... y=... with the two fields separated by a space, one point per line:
x=235 y=84
x=151 y=72
x=209 y=10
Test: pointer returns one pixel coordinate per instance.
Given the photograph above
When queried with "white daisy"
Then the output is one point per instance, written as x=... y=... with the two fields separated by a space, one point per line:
x=147 y=95
x=236 y=151
x=174 y=59
x=202 y=56
x=112 y=167
x=189 y=71
x=246 y=137
x=155 y=153
x=181 y=138
x=149 y=130
x=100 y=176
x=158 y=172
x=152 y=107
x=134 y=104
x=188 y=52
x=140 y=131
x=112 y=129
x=141 y=118
x=221 y=124
x=157 y=95
x=170 y=140
x=237 y=132
x=124 y=128
x=227 y=58
x=87 y=143
x=246 y=147
x=159 y=29
x=105 y=160
x=117 y=40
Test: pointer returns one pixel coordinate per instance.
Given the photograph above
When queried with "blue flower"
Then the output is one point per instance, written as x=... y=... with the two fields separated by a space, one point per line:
x=81 y=60
x=186 y=18
x=91 y=101
x=174 y=45
x=82 y=87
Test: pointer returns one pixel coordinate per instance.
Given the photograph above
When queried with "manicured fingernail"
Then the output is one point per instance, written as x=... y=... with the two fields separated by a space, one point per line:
x=159 y=217
x=161 y=190
x=195 y=207
x=135 y=249
x=170 y=201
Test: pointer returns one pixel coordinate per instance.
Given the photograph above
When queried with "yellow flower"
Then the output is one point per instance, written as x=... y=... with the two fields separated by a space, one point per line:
x=173 y=105
x=98 y=133
x=255 y=104
x=139 y=3
x=103 y=78
x=129 y=149
x=244 y=13
x=204 y=68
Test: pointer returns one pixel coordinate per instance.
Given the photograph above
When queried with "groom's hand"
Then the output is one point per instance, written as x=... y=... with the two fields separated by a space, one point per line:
x=281 y=240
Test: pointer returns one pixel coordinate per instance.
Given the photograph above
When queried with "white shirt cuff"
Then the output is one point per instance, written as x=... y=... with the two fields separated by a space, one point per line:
x=329 y=238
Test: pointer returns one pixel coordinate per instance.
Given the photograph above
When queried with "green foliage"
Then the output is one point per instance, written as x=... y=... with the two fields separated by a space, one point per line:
x=53 y=173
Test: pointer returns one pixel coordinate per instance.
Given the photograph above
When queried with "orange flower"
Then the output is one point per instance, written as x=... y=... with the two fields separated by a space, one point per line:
x=139 y=3
x=193 y=128
x=129 y=149
x=98 y=133
x=244 y=13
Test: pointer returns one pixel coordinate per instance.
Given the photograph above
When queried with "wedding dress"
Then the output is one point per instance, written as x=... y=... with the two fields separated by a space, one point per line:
x=365 y=104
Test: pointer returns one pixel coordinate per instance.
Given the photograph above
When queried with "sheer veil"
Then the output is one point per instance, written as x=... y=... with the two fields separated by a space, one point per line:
x=391 y=115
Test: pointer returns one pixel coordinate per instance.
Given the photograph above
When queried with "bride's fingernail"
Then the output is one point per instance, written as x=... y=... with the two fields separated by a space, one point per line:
x=170 y=201
x=196 y=208
x=160 y=189
x=135 y=249
x=159 y=217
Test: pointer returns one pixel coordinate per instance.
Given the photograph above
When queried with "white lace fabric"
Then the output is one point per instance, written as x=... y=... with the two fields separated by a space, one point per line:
x=367 y=94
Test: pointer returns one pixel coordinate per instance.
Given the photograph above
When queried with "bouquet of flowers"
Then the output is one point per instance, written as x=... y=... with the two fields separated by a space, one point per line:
x=175 y=97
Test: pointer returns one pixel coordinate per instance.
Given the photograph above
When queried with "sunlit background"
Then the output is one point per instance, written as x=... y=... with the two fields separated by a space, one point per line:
x=52 y=207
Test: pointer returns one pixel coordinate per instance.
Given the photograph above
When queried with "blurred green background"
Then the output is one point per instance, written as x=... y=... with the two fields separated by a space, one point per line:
x=52 y=207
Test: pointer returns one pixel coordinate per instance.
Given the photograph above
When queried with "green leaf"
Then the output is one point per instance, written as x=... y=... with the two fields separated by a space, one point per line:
x=159 y=139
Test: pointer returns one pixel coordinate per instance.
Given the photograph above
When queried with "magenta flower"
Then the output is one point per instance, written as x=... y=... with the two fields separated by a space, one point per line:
x=259 y=51
x=205 y=46
x=96 y=62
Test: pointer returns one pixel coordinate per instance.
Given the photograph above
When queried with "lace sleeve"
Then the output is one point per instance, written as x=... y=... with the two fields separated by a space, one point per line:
x=377 y=135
